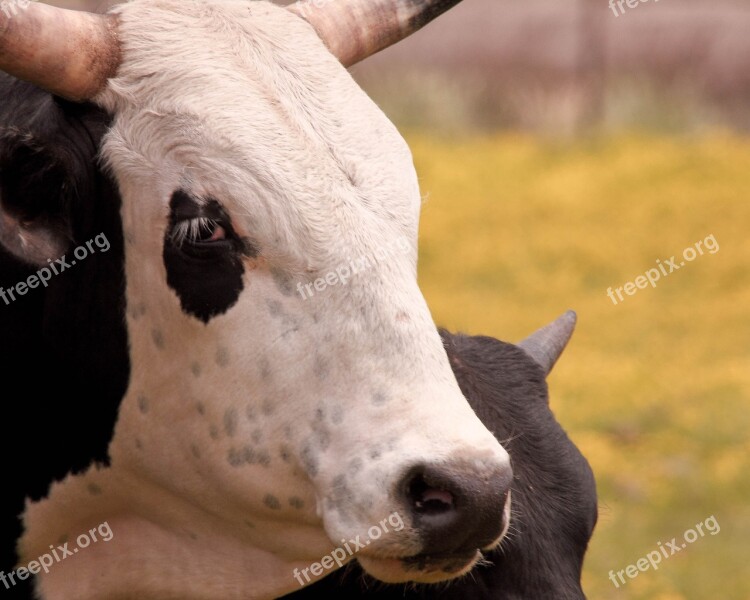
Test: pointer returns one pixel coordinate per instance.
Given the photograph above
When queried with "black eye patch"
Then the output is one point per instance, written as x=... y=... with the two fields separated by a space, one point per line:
x=203 y=268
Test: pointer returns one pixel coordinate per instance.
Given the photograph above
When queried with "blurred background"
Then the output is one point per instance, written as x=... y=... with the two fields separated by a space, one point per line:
x=563 y=150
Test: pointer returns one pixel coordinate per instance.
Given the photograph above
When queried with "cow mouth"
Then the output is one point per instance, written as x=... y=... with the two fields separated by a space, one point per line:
x=421 y=568
x=430 y=568
x=451 y=565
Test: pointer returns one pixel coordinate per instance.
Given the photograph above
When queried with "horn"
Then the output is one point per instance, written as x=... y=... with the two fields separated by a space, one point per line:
x=546 y=345
x=357 y=29
x=68 y=53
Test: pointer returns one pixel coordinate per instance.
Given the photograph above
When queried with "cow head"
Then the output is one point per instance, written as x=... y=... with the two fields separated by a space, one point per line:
x=287 y=378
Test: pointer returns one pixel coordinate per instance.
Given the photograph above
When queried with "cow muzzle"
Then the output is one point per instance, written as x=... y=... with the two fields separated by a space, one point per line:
x=458 y=511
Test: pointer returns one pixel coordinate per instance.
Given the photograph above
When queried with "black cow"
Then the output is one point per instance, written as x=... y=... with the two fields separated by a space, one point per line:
x=65 y=350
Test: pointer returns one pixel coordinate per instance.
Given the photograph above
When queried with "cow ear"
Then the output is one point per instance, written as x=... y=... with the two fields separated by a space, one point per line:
x=34 y=197
x=546 y=345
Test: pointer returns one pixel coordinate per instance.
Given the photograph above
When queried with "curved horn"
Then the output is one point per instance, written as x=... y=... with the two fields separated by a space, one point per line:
x=546 y=345
x=356 y=29
x=68 y=53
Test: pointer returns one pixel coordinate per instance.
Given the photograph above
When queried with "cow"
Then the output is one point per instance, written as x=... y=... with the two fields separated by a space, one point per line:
x=205 y=184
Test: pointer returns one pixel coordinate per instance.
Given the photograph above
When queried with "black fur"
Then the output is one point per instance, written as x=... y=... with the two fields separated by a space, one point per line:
x=65 y=347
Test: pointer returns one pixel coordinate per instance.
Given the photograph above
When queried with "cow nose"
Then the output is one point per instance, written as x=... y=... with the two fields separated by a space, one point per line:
x=455 y=508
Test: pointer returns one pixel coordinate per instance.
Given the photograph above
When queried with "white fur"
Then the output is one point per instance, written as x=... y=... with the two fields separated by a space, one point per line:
x=241 y=101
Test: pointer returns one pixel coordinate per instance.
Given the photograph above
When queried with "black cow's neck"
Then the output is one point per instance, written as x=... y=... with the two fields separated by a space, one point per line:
x=63 y=346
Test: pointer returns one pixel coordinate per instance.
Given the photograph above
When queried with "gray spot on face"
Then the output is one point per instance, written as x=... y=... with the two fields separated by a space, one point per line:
x=379 y=399
x=195 y=451
x=213 y=431
x=341 y=496
x=337 y=415
x=264 y=459
x=193 y=535
x=251 y=412
x=296 y=502
x=230 y=421
x=320 y=367
x=320 y=413
x=235 y=458
x=339 y=482
x=249 y=455
x=309 y=460
x=249 y=524
x=285 y=454
x=355 y=466
x=256 y=457
x=195 y=369
x=272 y=502
x=283 y=281
x=201 y=408
x=138 y=444
x=256 y=435
x=290 y=323
x=158 y=338
x=265 y=368
x=137 y=310
x=94 y=489
x=143 y=404
x=375 y=453
x=275 y=308
x=321 y=437
x=268 y=407
x=222 y=356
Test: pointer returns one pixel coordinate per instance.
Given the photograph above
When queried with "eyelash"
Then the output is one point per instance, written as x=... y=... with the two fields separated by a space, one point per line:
x=190 y=230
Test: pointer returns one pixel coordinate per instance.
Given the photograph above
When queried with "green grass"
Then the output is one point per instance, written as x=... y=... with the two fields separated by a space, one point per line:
x=656 y=390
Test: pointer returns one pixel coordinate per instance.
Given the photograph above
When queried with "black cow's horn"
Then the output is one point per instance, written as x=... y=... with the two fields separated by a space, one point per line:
x=546 y=345
x=356 y=29
x=69 y=53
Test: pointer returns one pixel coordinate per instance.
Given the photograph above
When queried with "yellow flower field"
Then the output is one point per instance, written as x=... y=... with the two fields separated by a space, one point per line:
x=655 y=389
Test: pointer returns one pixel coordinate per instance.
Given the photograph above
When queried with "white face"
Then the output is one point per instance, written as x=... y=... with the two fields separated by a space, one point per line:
x=261 y=383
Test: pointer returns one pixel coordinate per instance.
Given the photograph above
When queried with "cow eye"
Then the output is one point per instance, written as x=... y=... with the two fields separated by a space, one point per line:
x=197 y=232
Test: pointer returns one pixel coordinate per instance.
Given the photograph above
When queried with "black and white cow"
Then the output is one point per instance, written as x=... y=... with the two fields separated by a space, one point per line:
x=230 y=419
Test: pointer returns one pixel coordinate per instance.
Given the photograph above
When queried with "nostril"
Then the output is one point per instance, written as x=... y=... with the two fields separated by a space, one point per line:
x=429 y=500
x=456 y=507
